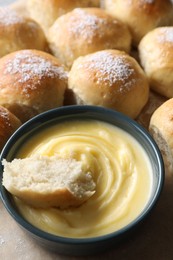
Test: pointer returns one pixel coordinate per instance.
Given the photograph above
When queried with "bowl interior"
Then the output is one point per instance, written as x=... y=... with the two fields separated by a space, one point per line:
x=83 y=112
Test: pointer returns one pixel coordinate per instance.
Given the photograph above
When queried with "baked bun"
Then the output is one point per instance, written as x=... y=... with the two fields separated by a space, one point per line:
x=141 y=15
x=48 y=181
x=31 y=82
x=8 y=124
x=161 y=128
x=17 y=33
x=156 y=57
x=111 y=79
x=47 y=11
x=86 y=30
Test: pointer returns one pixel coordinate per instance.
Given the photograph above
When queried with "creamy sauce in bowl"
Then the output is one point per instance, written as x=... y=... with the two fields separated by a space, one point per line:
x=120 y=167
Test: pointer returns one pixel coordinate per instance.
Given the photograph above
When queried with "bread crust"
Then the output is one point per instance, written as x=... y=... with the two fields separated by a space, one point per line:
x=47 y=11
x=31 y=82
x=156 y=57
x=17 y=33
x=8 y=124
x=141 y=16
x=111 y=79
x=161 y=128
x=86 y=30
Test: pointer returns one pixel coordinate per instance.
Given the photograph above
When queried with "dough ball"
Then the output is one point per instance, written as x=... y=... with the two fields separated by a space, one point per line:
x=156 y=57
x=111 y=79
x=31 y=82
x=86 y=30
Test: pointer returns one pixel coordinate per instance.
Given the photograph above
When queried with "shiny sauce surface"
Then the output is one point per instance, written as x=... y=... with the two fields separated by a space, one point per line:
x=120 y=167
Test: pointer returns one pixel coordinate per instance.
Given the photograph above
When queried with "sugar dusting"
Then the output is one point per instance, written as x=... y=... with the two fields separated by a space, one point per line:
x=165 y=35
x=110 y=69
x=85 y=24
x=9 y=17
x=4 y=115
x=29 y=68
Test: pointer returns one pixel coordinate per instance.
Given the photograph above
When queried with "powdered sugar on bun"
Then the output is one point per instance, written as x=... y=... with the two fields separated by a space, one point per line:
x=31 y=82
x=109 y=78
x=18 y=33
x=86 y=30
x=113 y=68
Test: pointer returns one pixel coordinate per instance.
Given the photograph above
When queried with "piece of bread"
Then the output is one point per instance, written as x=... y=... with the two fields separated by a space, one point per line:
x=8 y=124
x=47 y=11
x=31 y=82
x=43 y=181
x=17 y=33
x=86 y=30
x=141 y=15
x=156 y=57
x=161 y=128
x=108 y=78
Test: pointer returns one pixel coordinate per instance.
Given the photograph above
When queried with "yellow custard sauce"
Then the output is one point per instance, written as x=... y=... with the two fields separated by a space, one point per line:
x=120 y=168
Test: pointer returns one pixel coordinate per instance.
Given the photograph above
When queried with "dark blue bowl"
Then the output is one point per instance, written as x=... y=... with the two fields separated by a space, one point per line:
x=83 y=246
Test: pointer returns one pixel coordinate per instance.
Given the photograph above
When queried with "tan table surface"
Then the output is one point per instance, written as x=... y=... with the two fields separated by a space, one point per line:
x=154 y=239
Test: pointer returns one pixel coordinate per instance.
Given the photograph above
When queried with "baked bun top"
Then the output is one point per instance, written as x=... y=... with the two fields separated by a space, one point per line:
x=8 y=124
x=141 y=15
x=31 y=82
x=156 y=57
x=17 y=32
x=86 y=30
x=109 y=78
x=47 y=11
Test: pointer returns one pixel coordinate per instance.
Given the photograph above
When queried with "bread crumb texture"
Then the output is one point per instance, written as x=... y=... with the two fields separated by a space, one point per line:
x=43 y=181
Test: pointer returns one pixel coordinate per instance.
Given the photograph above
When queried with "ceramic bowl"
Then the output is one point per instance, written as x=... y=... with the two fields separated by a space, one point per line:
x=93 y=245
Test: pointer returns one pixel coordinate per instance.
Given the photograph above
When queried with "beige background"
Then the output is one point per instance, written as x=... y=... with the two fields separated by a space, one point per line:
x=154 y=239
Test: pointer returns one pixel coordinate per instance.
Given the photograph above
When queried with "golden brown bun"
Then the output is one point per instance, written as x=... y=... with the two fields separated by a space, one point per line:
x=17 y=33
x=161 y=128
x=140 y=15
x=47 y=11
x=109 y=78
x=8 y=124
x=156 y=57
x=31 y=82
x=86 y=30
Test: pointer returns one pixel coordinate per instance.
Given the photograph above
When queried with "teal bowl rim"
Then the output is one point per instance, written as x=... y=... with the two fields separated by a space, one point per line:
x=94 y=110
